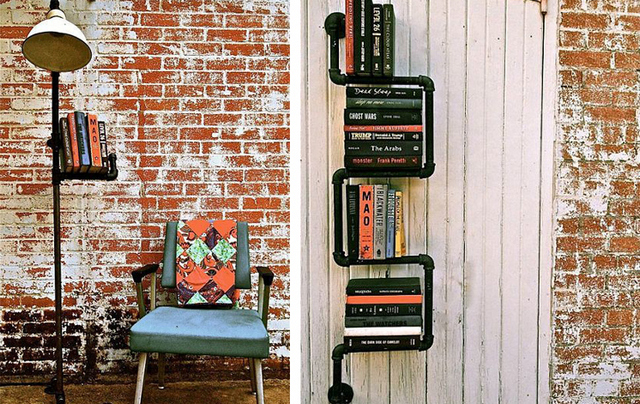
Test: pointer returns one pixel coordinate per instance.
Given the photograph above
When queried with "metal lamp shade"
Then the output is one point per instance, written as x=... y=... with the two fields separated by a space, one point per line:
x=56 y=45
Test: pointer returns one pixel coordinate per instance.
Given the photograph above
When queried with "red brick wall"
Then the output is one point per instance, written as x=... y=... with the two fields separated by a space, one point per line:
x=596 y=350
x=195 y=96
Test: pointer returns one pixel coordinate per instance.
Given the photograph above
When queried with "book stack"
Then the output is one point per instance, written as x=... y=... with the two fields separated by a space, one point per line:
x=383 y=314
x=84 y=141
x=383 y=128
x=375 y=223
x=370 y=35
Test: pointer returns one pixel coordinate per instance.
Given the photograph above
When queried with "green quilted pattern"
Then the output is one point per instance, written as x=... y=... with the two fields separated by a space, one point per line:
x=224 y=251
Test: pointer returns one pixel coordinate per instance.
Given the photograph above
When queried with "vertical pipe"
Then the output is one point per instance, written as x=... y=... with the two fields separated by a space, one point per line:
x=55 y=145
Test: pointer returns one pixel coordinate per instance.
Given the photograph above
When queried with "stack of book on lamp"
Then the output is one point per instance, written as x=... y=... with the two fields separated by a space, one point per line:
x=383 y=314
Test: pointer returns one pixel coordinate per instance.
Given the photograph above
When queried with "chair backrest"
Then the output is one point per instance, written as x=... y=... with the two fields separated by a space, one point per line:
x=243 y=267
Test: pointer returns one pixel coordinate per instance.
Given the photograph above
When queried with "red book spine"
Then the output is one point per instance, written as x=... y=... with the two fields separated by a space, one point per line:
x=74 y=142
x=349 y=41
x=94 y=141
x=383 y=128
x=385 y=299
x=366 y=222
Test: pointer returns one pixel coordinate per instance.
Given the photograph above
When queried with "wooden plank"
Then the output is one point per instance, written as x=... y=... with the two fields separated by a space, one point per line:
x=317 y=196
x=483 y=189
x=447 y=66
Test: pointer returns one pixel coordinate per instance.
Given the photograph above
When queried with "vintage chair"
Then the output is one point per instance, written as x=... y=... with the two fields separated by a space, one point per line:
x=201 y=331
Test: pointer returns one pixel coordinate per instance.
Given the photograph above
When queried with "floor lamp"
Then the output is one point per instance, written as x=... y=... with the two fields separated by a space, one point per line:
x=58 y=46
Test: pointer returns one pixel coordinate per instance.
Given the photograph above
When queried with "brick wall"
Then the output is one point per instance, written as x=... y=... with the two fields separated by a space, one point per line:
x=195 y=96
x=596 y=351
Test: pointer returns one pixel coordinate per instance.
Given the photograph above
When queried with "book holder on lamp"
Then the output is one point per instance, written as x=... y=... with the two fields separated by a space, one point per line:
x=57 y=45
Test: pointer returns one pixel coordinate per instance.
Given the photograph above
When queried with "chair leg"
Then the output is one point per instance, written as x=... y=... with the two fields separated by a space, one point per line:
x=257 y=363
x=252 y=372
x=161 y=362
x=142 y=367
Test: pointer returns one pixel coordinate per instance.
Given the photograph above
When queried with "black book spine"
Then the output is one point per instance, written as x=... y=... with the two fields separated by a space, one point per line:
x=102 y=132
x=383 y=136
x=383 y=92
x=385 y=103
x=384 y=321
x=382 y=162
x=363 y=68
x=67 y=167
x=376 y=33
x=358 y=34
x=367 y=344
x=367 y=310
x=352 y=220
x=382 y=117
x=382 y=148
x=388 y=39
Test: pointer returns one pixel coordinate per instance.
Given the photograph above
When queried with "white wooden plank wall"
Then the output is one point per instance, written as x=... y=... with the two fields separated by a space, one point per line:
x=480 y=211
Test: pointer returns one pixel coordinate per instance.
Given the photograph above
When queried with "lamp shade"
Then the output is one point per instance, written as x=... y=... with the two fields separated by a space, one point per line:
x=56 y=45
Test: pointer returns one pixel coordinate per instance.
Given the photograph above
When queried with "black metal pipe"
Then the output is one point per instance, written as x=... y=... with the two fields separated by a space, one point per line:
x=54 y=5
x=55 y=146
x=427 y=339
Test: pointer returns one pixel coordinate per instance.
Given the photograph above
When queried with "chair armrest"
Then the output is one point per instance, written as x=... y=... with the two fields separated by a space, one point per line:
x=264 y=289
x=138 y=275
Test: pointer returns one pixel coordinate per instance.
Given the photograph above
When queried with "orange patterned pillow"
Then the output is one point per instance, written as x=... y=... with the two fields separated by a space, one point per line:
x=205 y=262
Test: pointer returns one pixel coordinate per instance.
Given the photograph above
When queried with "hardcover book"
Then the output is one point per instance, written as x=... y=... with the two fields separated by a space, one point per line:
x=384 y=299
x=385 y=103
x=384 y=321
x=383 y=128
x=349 y=37
x=352 y=220
x=384 y=286
x=83 y=141
x=388 y=39
x=382 y=163
x=366 y=344
x=382 y=148
x=102 y=131
x=380 y=221
x=382 y=117
x=366 y=222
x=94 y=141
x=391 y=224
x=401 y=248
x=358 y=34
x=73 y=135
x=366 y=15
x=383 y=136
x=67 y=166
x=384 y=92
x=376 y=45
x=381 y=331
x=354 y=310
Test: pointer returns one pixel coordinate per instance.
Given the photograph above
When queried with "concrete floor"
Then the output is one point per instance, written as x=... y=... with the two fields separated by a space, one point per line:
x=226 y=392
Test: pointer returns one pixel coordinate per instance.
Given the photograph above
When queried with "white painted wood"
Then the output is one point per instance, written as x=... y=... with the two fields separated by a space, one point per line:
x=142 y=368
x=485 y=214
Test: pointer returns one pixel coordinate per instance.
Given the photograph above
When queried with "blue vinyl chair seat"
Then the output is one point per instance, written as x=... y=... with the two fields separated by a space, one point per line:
x=168 y=329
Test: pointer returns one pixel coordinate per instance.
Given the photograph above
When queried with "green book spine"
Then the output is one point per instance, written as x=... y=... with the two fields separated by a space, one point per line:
x=388 y=35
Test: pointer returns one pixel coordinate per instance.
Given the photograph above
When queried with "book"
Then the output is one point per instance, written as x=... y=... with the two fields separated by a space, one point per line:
x=355 y=310
x=388 y=39
x=385 y=103
x=349 y=44
x=365 y=219
x=382 y=136
x=67 y=161
x=358 y=34
x=384 y=299
x=384 y=92
x=365 y=344
x=376 y=40
x=83 y=141
x=390 y=251
x=382 y=148
x=73 y=135
x=102 y=131
x=382 y=117
x=383 y=163
x=366 y=21
x=383 y=128
x=352 y=221
x=384 y=321
x=381 y=331
x=384 y=286
x=379 y=221
x=401 y=248
x=94 y=142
